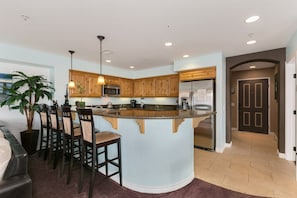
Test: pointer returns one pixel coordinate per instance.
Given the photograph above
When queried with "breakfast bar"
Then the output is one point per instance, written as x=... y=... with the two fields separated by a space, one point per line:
x=157 y=146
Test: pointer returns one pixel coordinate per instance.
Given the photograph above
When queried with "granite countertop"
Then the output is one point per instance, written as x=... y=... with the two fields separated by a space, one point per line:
x=150 y=114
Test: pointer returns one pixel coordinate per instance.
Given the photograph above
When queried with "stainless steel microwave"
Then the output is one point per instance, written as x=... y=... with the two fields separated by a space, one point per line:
x=111 y=90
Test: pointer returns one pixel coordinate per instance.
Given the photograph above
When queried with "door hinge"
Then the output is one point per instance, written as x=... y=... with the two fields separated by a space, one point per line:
x=294 y=75
x=294 y=148
x=294 y=112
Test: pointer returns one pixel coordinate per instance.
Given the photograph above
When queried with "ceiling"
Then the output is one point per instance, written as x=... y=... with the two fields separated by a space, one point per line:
x=136 y=30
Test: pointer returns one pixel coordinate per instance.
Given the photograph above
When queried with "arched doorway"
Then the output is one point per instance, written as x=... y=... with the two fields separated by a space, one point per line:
x=253 y=101
x=276 y=56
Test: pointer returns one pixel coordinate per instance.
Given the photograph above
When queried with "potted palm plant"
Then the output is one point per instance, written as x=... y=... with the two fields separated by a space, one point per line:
x=24 y=94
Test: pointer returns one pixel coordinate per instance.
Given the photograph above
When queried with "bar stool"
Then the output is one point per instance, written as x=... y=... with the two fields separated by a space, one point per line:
x=95 y=141
x=71 y=140
x=56 y=132
x=44 y=124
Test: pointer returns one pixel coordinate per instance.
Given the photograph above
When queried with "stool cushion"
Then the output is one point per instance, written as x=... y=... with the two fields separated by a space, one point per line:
x=106 y=136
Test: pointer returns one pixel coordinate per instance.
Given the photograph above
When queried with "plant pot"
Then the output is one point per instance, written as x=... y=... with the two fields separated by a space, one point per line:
x=29 y=140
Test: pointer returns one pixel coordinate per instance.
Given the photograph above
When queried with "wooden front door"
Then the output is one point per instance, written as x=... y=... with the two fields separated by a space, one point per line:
x=253 y=105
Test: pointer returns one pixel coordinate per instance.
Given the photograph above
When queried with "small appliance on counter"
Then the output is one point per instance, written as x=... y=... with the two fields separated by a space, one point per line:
x=184 y=103
x=133 y=103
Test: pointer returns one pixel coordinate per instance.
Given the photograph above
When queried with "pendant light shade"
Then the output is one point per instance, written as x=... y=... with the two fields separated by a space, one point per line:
x=101 y=77
x=71 y=83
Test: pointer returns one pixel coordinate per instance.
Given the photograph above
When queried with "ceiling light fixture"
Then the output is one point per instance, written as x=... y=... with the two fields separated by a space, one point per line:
x=252 y=19
x=252 y=66
x=101 y=80
x=168 y=44
x=131 y=67
x=186 y=56
x=108 y=61
x=251 y=42
x=71 y=83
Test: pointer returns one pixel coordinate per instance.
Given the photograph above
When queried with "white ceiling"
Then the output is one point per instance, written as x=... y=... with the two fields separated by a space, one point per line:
x=136 y=30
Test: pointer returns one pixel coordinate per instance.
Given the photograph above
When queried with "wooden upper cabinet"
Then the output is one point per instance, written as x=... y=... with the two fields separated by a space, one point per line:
x=162 y=86
x=173 y=85
x=85 y=84
x=198 y=74
x=79 y=80
x=112 y=80
x=126 y=87
x=167 y=86
x=92 y=86
x=148 y=89
x=137 y=87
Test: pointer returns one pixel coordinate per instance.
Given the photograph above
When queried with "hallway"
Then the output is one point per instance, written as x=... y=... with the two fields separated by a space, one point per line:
x=250 y=166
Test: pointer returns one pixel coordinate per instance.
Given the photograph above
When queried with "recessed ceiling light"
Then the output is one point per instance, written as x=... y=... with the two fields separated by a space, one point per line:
x=131 y=67
x=168 y=44
x=252 y=19
x=251 y=42
x=253 y=66
x=186 y=56
x=108 y=61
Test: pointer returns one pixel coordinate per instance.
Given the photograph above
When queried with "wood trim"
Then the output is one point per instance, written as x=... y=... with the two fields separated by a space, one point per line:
x=141 y=125
x=198 y=74
x=112 y=121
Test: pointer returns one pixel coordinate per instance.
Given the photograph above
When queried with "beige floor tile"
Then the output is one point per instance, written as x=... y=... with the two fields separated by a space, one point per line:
x=250 y=166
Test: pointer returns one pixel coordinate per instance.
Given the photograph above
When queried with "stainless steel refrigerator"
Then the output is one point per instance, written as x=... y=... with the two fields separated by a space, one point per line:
x=200 y=96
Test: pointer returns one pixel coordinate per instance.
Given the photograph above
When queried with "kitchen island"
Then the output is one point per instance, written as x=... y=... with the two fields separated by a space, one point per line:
x=157 y=146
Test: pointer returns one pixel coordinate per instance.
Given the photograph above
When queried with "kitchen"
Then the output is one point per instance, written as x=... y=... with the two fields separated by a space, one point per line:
x=150 y=125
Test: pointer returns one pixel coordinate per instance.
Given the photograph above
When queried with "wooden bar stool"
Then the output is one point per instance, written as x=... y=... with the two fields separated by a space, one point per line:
x=56 y=133
x=44 y=130
x=95 y=141
x=71 y=140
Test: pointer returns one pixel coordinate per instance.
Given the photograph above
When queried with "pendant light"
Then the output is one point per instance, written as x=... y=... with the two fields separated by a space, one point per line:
x=101 y=77
x=71 y=83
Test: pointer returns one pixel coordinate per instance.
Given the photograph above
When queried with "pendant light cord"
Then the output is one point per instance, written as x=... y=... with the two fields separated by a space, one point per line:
x=71 y=52
x=100 y=38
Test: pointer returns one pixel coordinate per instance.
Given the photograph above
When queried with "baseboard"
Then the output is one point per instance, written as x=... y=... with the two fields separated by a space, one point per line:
x=281 y=155
x=159 y=189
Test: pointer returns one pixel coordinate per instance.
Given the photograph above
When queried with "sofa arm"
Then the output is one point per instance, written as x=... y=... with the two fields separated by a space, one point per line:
x=17 y=186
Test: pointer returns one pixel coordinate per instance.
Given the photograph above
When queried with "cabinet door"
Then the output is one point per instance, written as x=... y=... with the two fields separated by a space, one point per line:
x=162 y=86
x=126 y=87
x=138 y=87
x=112 y=80
x=173 y=85
x=80 y=83
x=198 y=74
x=93 y=89
x=148 y=87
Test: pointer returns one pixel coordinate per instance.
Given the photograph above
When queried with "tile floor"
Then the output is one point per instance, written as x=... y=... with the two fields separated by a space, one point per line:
x=251 y=166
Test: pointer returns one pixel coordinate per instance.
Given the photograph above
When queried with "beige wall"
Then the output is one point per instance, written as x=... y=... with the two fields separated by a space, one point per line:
x=249 y=74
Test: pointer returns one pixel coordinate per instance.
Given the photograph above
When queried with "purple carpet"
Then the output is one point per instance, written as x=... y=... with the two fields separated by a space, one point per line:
x=47 y=183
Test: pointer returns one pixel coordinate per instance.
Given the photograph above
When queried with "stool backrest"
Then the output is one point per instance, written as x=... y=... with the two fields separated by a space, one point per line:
x=54 y=117
x=87 y=124
x=67 y=120
x=44 y=116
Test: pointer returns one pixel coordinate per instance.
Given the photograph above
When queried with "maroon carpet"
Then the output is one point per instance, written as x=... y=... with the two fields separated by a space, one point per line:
x=47 y=183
